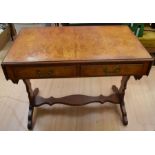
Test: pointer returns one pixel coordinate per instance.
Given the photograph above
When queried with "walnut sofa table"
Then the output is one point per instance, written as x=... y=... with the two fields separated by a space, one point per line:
x=86 y=51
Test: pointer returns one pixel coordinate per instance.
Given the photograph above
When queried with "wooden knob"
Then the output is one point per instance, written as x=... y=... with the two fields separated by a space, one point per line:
x=108 y=70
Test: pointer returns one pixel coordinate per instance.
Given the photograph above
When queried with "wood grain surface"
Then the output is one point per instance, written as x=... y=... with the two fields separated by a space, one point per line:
x=76 y=44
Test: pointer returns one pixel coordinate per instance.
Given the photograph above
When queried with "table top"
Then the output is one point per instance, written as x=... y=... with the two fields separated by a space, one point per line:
x=76 y=43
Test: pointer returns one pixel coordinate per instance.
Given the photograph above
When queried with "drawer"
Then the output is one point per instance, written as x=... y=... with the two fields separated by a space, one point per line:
x=44 y=71
x=111 y=69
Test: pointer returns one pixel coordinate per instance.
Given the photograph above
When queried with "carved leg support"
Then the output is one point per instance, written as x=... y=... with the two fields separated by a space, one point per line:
x=77 y=100
x=31 y=95
x=30 y=116
x=121 y=93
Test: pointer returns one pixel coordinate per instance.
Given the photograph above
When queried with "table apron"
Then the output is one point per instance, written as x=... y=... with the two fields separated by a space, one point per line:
x=17 y=72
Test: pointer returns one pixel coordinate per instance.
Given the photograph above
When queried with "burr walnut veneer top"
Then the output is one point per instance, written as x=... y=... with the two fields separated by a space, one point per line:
x=73 y=44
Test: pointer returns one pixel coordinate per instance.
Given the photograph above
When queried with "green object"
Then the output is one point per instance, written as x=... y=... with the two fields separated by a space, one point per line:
x=138 y=29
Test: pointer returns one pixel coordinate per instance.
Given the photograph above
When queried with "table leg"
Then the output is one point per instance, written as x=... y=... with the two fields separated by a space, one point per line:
x=31 y=96
x=77 y=100
x=121 y=93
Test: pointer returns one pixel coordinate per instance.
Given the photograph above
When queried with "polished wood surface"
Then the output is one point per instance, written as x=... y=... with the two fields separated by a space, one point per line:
x=85 y=43
x=58 y=52
x=45 y=71
x=112 y=69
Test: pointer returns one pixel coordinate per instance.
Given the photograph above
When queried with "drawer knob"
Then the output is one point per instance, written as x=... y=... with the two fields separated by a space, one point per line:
x=44 y=74
x=38 y=73
x=50 y=73
x=113 y=70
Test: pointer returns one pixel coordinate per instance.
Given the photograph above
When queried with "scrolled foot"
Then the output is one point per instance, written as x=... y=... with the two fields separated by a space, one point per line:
x=124 y=114
x=30 y=115
x=125 y=120
x=29 y=125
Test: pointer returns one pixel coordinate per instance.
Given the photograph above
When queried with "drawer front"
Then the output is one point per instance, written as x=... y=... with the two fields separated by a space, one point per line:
x=45 y=71
x=111 y=69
